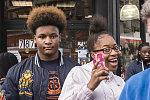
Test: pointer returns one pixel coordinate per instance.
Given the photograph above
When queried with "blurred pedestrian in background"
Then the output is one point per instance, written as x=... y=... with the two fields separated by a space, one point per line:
x=7 y=60
x=141 y=63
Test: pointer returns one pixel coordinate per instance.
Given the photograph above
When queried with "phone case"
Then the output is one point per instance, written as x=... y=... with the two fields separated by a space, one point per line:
x=99 y=57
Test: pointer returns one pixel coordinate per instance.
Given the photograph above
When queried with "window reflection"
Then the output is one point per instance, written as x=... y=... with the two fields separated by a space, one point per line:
x=129 y=38
x=74 y=9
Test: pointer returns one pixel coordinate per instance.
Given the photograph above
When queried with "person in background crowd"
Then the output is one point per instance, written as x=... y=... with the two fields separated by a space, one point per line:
x=90 y=82
x=126 y=55
x=7 y=60
x=141 y=63
x=41 y=77
x=137 y=87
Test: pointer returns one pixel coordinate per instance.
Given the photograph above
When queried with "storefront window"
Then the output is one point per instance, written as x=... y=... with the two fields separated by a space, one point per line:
x=20 y=40
x=74 y=45
x=129 y=38
x=74 y=9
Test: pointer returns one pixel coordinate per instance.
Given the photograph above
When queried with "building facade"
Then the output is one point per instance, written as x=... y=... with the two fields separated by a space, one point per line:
x=15 y=38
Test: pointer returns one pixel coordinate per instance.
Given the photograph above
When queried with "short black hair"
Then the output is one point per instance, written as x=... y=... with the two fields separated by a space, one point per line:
x=139 y=49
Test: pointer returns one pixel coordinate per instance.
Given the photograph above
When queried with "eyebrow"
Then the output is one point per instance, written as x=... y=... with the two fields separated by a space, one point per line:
x=53 y=33
x=106 y=45
x=109 y=45
x=50 y=33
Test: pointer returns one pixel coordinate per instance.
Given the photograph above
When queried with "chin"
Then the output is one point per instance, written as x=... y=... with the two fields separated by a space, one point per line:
x=49 y=54
x=113 y=68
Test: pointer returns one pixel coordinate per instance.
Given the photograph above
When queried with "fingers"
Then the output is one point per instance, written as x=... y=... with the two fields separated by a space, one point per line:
x=104 y=68
x=95 y=65
x=102 y=75
x=102 y=72
x=98 y=74
x=99 y=69
x=98 y=64
x=103 y=78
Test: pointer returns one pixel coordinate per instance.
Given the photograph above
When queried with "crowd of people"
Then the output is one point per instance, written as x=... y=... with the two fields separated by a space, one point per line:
x=51 y=76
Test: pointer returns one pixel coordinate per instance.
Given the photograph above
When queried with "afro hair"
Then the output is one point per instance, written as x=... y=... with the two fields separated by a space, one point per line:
x=42 y=16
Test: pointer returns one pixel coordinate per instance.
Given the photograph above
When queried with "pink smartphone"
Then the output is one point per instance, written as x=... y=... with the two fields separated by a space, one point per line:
x=99 y=57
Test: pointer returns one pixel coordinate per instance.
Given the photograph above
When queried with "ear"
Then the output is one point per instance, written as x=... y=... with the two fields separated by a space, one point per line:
x=59 y=37
x=34 y=38
x=92 y=54
x=139 y=52
x=120 y=53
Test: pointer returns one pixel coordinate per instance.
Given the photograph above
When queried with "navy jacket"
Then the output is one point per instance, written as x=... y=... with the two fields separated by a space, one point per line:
x=134 y=68
x=40 y=77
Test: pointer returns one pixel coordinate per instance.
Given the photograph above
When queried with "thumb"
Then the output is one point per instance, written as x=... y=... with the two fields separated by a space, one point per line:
x=95 y=65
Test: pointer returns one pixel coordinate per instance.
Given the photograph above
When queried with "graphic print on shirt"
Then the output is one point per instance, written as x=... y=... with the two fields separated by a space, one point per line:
x=54 y=87
x=25 y=82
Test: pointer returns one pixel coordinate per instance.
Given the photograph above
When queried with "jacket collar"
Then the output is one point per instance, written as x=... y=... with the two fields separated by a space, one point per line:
x=142 y=61
x=37 y=59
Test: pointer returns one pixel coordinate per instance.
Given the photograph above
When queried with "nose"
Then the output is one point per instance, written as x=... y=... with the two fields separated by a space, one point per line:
x=147 y=54
x=48 y=40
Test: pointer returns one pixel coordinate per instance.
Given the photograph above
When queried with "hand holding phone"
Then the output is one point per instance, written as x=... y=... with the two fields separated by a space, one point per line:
x=99 y=58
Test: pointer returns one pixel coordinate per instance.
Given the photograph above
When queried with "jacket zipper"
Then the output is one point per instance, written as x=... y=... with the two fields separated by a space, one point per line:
x=41 y=83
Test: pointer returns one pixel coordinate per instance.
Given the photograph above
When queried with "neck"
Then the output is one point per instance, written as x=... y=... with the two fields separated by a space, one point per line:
x=145 y=62
x=50 y=57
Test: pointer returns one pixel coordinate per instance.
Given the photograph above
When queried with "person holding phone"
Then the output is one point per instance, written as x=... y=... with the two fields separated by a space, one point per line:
x=90 y=82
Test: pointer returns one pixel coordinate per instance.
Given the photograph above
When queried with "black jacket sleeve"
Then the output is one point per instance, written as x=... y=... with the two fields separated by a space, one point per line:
x=9 y=87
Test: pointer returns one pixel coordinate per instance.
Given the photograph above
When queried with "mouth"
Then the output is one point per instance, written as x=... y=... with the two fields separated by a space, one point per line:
x=146 y=57
x=113 y=62
x=48 y=48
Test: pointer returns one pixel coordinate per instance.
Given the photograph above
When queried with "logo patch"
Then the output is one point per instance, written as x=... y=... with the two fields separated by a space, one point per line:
x=54 y=87
x=25 y=82
x=2 y=95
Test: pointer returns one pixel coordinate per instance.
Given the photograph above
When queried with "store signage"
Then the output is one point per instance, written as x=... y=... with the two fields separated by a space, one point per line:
x=82 y=53
x=83 y=56
x=27 y=43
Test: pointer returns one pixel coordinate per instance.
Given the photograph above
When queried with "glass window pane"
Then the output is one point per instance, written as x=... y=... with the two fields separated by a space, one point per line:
x=74 y=9
x=129 y=37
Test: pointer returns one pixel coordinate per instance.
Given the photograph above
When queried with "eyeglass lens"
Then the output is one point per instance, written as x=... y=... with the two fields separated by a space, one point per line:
x=109 y=50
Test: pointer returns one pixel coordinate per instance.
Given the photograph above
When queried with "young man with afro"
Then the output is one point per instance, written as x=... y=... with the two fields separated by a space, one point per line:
x=41 y=77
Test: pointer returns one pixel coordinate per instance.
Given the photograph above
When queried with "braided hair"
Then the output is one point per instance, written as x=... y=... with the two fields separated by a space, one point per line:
x=139 y=49
x=7 y=60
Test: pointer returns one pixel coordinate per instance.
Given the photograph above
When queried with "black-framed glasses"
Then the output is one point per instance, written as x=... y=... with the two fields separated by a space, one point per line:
x=108 y=50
